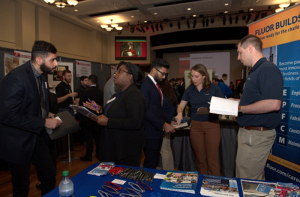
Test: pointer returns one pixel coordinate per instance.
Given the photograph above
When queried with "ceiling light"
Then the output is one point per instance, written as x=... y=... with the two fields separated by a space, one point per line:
x=145 y=21
x=226 y=12
x=76 y=10
x=189 y=9
x=284 y=5
x=49 y=1
x=248 y=18
x=155 y=13
x=236 y=19
x=279 y=10
x=226 y=4
x=251 y=9
x=132 y=16
x=194 y=15
x=62 y=3
x=111 y=26
x=72 y=2
x=152 y=27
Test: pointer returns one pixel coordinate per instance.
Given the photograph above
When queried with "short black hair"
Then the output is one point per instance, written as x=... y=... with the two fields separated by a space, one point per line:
x=93 y=79
x=159 y=63
x=65 y=72
x=42 y=49
x=215 y=79
x=83 y=77
x=224 y=75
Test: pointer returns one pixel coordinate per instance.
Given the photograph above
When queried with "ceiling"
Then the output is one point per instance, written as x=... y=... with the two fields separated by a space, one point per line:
x=133 y=12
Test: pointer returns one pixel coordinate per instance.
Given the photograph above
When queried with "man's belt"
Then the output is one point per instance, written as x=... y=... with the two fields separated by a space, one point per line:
x=255 y=128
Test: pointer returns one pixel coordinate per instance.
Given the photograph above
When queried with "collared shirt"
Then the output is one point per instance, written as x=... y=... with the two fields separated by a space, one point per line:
x=201 y=99
x=153 y=80
x=36 y=75
x=263 y=82
x=63 y=89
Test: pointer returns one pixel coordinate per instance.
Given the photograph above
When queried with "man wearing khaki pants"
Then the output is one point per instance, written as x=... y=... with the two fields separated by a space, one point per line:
x=260 y=105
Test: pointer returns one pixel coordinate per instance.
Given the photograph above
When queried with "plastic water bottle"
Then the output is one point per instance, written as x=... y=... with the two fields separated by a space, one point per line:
x=66 y=187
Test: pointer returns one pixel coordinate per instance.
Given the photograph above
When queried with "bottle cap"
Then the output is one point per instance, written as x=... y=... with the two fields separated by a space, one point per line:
x=65 y=173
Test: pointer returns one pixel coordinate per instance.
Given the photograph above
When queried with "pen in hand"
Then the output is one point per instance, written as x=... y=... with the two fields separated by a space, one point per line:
x=93 y=104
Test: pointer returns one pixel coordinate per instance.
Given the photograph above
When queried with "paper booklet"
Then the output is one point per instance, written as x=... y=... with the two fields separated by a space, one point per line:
x=219 y=186
x=260 y=188
x=102 y=168
x=180 y=181
x=84 y=111
x=223 y=106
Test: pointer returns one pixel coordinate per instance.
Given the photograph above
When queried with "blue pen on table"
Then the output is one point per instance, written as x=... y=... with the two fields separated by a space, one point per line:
x=93 y=104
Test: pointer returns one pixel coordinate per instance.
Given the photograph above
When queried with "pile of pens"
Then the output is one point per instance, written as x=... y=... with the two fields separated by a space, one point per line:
x=135 y=174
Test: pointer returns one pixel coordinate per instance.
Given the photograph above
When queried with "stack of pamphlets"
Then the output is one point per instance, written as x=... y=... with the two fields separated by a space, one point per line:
x=258 y=188
x=102 y=168
x=180 y=181
x=219 y=186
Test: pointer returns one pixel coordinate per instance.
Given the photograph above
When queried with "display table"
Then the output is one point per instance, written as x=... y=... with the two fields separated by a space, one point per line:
x=184 y=158
x=86 y=185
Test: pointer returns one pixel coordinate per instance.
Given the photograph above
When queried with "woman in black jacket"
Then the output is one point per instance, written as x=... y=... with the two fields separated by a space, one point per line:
x=123 y=137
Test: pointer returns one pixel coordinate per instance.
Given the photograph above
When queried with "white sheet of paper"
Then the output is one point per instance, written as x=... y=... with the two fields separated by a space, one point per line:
x=223 y=106
x=183 y=124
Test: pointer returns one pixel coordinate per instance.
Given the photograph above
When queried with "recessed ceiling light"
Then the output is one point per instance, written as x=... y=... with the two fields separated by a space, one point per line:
x=194 y=15
x=226 y=12
x=145 y=21
x=189 y=9
x=251 y=9
x=76 y=10
x=132 y=16
x=155 y=13
x=226 y=4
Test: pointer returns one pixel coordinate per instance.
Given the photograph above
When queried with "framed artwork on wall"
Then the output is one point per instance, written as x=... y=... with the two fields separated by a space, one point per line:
x=130 y=48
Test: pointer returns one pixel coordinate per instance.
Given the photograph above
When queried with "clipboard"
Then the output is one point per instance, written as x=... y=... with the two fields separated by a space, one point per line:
x=68 y=125
x=84 y=111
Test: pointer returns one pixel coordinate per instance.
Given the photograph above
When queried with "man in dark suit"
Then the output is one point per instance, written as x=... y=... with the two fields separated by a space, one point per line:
x=157 y=119
x=24 y=118
x=91 y=128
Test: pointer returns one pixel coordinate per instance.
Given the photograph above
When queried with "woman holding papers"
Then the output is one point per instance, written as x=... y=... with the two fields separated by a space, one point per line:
x=205 y=128
x=123 y=137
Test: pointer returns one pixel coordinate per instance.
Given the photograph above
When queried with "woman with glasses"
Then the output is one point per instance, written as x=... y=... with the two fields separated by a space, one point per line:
x=205 y=132
x=123 y=137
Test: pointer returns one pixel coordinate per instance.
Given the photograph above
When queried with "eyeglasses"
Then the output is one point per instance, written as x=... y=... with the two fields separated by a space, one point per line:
x=120 y=70
x=164 y=74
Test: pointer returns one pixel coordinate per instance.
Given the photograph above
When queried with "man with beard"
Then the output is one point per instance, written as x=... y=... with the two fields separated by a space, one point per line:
x=64 y=93
x=157 y=120
x=24 y=117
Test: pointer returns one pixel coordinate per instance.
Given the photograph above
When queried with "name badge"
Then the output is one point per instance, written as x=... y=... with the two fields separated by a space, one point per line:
x=110 y=100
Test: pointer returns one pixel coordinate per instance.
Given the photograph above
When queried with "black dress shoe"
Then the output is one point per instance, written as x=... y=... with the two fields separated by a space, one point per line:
x=85 y=158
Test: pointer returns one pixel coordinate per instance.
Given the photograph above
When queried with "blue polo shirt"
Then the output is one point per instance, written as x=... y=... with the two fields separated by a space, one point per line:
x=225 y=89
x=200 y=99
x=264 y=82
